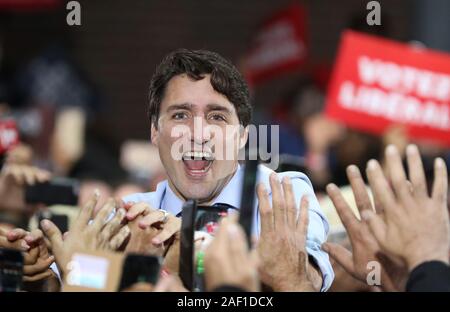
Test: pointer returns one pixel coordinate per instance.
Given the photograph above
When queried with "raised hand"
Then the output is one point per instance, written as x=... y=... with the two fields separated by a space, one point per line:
x=365 y=248
x=415 y=225
x=37 y=275
x=13 y=179
x=228 y=260
x=101 y=234
x=168 y=223
x=283 y=233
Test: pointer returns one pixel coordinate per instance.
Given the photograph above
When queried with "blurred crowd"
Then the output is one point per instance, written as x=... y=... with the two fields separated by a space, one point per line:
x=385 y=197
x=401 y=224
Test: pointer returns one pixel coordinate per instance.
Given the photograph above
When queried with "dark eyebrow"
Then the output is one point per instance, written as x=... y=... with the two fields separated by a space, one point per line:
x=217 y=107
x=186 y=106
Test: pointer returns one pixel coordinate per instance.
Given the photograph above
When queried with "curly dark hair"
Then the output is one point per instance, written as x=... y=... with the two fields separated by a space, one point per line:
x=225 y=79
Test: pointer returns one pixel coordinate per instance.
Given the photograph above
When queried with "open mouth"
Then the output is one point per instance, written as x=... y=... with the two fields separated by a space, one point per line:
x=197 y=163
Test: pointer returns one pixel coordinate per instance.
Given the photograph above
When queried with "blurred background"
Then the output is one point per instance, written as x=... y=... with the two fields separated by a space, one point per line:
x=78 y=94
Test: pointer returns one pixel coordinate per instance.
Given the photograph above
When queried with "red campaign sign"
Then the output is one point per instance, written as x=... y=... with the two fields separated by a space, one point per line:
x=279 y=46
x=9 y=136
x=378 y=82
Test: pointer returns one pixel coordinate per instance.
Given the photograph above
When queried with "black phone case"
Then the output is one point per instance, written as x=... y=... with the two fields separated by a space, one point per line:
x=140 y=268
x=58 y=191
x=11 y=270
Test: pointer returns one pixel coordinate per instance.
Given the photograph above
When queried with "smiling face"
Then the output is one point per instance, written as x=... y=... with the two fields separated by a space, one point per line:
x=198 y=138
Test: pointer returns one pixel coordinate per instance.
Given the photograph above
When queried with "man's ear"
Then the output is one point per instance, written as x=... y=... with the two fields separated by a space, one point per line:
x=154 y=135
x=243 y=138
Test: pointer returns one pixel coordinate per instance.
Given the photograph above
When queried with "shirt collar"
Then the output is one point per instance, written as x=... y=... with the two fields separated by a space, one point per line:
x=169 y=201
x=231 y=194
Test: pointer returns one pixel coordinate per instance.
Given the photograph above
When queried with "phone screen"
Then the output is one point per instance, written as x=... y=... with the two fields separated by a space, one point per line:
x=207 y=221
x=208 y=218
x=88 y=271
x=248 y=198
x=11 y=270
x=58 y=191
x=61 y=221
x=138 y=268
x=197 y=222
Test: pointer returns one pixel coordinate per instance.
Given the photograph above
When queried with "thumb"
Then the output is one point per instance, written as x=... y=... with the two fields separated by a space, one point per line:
x=65 y=235
x=53 y=234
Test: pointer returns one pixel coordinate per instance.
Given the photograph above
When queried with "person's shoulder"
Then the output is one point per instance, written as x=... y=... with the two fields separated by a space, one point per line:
x=264 y=173
x=148 y=197
x=151 y=198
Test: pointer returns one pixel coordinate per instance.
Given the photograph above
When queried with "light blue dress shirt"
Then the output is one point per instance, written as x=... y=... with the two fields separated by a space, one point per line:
x=164 y=198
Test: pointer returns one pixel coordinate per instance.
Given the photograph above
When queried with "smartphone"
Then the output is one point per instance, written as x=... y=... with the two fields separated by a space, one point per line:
x=196 y=218
x=61 y=221
x=11 y=270
x=139 y=268
x=59 y=191
x=246 y=212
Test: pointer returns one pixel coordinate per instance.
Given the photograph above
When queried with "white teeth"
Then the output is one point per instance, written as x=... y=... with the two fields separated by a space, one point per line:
x=198 y=155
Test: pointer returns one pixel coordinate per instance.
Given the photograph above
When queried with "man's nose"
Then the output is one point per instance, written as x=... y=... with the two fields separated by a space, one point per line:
x=201 y=133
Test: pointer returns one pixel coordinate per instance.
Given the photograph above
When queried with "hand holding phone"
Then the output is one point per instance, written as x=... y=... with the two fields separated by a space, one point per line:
x=139 y=268
x=57 y=191
x=11 y=270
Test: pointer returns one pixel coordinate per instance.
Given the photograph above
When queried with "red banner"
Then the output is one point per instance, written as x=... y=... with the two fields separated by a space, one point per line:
x=279 y=46
x=378 y=82
x=9 y=136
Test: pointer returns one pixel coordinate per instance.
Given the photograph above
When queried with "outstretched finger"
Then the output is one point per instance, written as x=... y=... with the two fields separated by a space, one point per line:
x=291 y=206
x=54 y=235
x=382 y=192
x=359 y=188
x=303 y=218
x=416 y=172
x=170 y=229
x=86 y=211
x=119 y=238
x=376 y=226
x=397 y=175
x=278 y=203
x=138 y=209
x=265 y=211
x=103 y=215
x=344 y=211
x=440 y=184
x=16 y=234
x=341 y=255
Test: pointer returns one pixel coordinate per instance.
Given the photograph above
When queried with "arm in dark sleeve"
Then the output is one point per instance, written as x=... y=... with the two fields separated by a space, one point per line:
x=432 y=276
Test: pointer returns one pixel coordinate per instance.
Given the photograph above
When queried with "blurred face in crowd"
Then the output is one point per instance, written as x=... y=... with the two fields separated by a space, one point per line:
x=198 y=137
x=126 y=189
